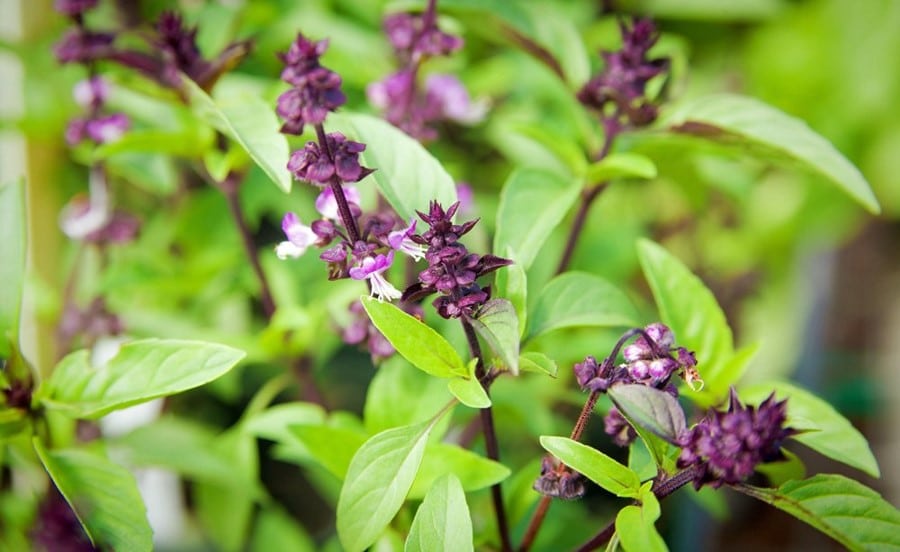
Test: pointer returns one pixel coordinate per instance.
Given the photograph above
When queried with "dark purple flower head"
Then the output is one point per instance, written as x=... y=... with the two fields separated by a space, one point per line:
x=82 y=46
x=316 y=90
x=452 y=270
x=558 y=480
x=74 y=8
x=315 y=166
x=725 y=447
x=178 y=45
x=618 y=92
x=414 y=36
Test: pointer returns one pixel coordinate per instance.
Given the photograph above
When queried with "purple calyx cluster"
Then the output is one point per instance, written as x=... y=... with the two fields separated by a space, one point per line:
x=726 y=446
x=404 y=102
x=651 y=360
x=452 y=271
x=618 y=92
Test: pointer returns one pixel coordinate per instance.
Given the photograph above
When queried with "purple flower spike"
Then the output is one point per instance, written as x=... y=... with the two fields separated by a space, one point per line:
x=401 y=240
x=299 y=237
x=81 y=46
x=316 y=91
x=313 y=165
x=372 y=268
x=726 y=447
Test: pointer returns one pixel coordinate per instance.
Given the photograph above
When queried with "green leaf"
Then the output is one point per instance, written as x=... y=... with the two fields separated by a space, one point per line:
x=596 y=466
x=621 y=165
x=538 y=362
x=845 y=510
x=249 y=121
x=277 y=530
x=781 y=471
x=400 y=395
x=824 y=429
x=533 y=202
x=12 y=422
x=103 y=495
x=469 y=392
x=12 y=268
x=691 y=311
x=379 y=477
x=561 y=146
x=274 y=423
x=442 y=522
x=649 y=408
x=706 y=10
x=511 y=283
x=142 y=370
x=498 y=325
x=473 y=471
x=636 y=526
x=187 y=142
x=332 y=447
x=580 y=299
x=746 y=122
x=426 y=349
x=406 y=174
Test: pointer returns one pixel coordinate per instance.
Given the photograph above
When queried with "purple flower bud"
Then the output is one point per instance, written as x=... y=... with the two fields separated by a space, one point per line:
x=616 y=426
x=336 y=254
x=662 y=368
x=661 y=335
x=637 y=351
x=558 y=480
x=107 y=129
x=313 y=165
x=412 y=36
x=81 y=46
x=371 y=268
x=91 y=93
x=586 y=371
x=640 y=369
x=301 y=58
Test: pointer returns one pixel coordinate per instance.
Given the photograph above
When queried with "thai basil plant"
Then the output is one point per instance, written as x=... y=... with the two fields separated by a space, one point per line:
x=396 y=276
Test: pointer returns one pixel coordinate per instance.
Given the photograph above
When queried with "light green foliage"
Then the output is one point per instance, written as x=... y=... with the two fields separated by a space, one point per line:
x=103 y=495
x=635 y=525
x=497 y=324
x=140 y=371
x=442 y=522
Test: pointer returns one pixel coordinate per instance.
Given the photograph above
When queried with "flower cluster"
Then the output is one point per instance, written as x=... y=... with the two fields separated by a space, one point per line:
x=316 y=90
x=405 y=104
x=319 y=165
x=91 y=95
x=725 y=447
x=651 y=360
x=452 y=271
x=618 y=93
x=558 y=480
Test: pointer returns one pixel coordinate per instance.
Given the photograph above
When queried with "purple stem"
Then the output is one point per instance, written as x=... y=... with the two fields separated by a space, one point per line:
x=338 y=190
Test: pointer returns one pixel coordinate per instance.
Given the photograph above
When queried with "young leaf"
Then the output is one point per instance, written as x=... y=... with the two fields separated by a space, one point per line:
x=580 y=299
x=621 y=165
x=250 y=122
x=512 y=284
x=845 y=510
x=649 y=408
x=498 y=325
x=533 y=202
x=693 y=314
x=473 y=471
x=593 y=464
x=142 y=370
x=12 y=268
x=748 y=122
x=442 y=522
x=103 y=495
x=406 y=174
x=538 y=362
x=469 y=392
x=636 y=526
x=829 y=433
x=426 y=349
x=378 y=479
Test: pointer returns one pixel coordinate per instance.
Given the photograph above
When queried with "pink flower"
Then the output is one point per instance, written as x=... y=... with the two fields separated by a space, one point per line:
x=400 y=240
x=299 y=236
x=372 y=268
x=327 y=204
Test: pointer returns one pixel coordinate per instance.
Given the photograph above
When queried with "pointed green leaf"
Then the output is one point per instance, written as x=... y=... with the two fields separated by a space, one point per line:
x=278 y=530
x=469 y=392
x=400 y=395
x=473 y=471
x=563 y=147
x=636 y=526
x=498 y=325
x=406 y=174
x=378 y=479
x=332 y=447
x=249 y=121
x=511 y=283
x=692 y=312
x=538 y=362
x=442 y=522
x=579 y=299
x=142 y=370
x=12 y=267
x=650 y=408
x=845 y=510
x=274 y=423
x=825 y=430
x=747 y=122
x=103 y=495
x=426 y=349
x=533 y=202
x=596 y=466
x=621 y=165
